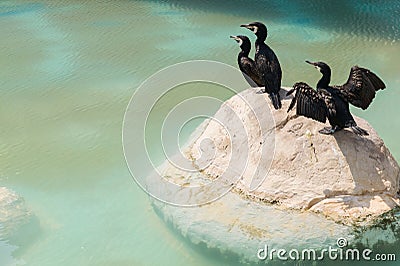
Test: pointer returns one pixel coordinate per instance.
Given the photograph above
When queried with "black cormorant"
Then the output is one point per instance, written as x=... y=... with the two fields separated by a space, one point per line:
x=246 y=64
x=332 y=102
x=267 y=63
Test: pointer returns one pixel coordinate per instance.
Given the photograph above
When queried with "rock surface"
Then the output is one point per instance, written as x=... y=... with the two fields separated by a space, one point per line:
x=348 y=178
x=310 y=189
x=18 y=226
x=13 y=212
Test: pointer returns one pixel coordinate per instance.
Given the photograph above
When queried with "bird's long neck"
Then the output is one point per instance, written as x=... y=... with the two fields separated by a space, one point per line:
x=261 y=39
x=324 y=81
x=259 y=44
x=244 y=52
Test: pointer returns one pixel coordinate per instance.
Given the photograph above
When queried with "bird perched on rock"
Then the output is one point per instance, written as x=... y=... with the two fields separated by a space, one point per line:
x=332 y=102
x=246 y=64
x=267 y=63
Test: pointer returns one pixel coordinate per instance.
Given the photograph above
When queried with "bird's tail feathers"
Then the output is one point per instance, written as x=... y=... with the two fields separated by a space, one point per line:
x=276 y=100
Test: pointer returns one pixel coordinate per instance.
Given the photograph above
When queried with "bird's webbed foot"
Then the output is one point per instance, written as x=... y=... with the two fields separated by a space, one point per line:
x=329 y=130
x=356 y=129
x=359 y=131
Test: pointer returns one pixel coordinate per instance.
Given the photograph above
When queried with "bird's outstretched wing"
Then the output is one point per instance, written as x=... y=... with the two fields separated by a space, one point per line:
x=360 y=88
x=311 y=103
x=248 y=67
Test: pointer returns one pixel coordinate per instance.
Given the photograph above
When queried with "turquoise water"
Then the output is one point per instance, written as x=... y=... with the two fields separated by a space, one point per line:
x=69 y=69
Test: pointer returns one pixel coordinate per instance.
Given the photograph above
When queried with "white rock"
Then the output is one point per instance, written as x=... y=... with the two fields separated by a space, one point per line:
x=348 y=178
x=13 y=212
x=316 y=187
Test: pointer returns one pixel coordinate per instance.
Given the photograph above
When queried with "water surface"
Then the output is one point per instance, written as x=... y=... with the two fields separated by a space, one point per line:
x=69 y=69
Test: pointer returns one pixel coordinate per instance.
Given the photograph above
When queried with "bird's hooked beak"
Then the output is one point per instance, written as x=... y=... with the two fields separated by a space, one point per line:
x=236 y=38
x=314 y=64
x=311 y=63
x=249 y=27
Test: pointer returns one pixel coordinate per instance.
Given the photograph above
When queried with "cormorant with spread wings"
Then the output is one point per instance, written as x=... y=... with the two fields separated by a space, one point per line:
x=332 y=102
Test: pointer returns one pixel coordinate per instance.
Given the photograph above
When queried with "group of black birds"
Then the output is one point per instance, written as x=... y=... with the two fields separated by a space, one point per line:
x=326 y=102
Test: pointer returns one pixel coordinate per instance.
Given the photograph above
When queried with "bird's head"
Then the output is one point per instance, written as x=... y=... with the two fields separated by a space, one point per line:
x=243 y=41
x=258 y=28
x=321 y=66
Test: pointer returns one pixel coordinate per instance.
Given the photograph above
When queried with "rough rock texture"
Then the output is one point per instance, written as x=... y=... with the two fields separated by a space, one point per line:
x=310 y=189
x=17 y=225
x=348 y=178
x=13 y=212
